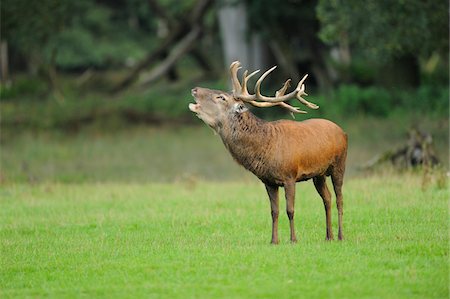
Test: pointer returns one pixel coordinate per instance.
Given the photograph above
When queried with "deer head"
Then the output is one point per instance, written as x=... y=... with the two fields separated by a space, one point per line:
x=214 y=106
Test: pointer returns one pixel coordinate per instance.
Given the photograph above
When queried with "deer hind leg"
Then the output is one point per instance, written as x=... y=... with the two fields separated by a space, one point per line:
x=337 y=177
x=289 y=190
x=322 y=189
x=272 y=191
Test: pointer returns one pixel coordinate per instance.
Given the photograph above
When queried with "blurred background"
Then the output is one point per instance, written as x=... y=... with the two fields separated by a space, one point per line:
x=97 y=90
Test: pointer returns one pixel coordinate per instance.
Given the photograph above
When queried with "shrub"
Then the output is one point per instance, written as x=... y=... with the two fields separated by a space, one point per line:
x=371 y=100
x=23 y=87
x=378 y=101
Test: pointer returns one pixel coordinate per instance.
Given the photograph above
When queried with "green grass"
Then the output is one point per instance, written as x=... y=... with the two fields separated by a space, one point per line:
x=211 y=240
x=164 y=212
x=171 y=154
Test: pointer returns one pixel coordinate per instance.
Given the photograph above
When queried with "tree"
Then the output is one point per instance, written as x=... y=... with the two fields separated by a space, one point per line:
x=183 y=33
x=28 y=27
x=289 y=28
x=386 y=28
x=238 y=42
x=384 y=31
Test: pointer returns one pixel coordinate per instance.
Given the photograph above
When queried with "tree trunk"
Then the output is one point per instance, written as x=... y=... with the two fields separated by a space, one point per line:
x=53 y=76
x=237 y=41
x=4 y=72
x=233 y=30
x=259 y=52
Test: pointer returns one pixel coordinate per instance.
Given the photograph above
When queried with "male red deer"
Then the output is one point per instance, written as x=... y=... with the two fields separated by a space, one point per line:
x=279 y=153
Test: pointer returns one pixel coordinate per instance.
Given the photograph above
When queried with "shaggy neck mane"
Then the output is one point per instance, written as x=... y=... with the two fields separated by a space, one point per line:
x=247 y=138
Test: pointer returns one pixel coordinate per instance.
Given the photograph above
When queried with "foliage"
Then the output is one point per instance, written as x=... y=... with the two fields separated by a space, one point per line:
x=163 y=103
x=80 y=34
x=382 y=102
x=386 y=28
x=168 y=104
x=29 y=25
x=351 y=98
x=100 y=39
x=286 y=19
x=289 y=29
x=79 y=49
x=23 y=88
x=99 y=35
x=176 y=8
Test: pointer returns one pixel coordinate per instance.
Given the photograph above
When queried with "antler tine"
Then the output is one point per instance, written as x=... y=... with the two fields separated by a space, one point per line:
x=301 y=91
x=258 y=83
x=297 y=93
x=281 y=92
x=259 y=100
x=292 y=109
x=245 y=78
x=306 y=103
x=283 y=89
x=301 y=81
x=282 y=98
x=234 y=68
x=244 y=83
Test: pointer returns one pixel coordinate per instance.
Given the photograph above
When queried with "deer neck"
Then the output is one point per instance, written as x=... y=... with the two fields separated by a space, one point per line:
x=247 y=138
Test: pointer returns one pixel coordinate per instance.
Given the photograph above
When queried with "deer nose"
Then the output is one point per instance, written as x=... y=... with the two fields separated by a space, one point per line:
x=194 y=91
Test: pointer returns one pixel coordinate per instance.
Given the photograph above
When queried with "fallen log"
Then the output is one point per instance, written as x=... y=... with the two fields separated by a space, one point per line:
x=418 y=151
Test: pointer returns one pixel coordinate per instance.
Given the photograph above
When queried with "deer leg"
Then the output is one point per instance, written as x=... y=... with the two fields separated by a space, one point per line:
x=272 y=191
x=321 y=187
x=338 y=179
x=289 y=190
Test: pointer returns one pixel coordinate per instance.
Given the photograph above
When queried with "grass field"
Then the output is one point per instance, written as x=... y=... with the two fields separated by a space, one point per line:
x=164 y=212
x=171 y=154
x=211 y=240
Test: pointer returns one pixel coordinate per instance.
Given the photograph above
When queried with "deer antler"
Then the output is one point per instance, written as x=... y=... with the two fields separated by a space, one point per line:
x=259 y=100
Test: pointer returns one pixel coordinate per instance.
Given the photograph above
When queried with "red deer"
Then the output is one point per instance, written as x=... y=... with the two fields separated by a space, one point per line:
x=280 y=153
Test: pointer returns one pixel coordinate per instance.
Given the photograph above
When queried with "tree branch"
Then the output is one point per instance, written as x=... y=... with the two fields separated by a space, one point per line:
x=178 y=50
x=180 y=30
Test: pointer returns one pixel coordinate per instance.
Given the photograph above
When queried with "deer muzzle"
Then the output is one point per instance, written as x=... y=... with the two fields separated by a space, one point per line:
x=194 y=107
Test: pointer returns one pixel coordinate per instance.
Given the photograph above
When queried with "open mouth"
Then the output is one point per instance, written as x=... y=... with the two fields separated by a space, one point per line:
x=194 y=107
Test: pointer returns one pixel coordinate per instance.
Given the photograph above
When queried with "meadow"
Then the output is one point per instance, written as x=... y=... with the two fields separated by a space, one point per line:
x=164 y=212
x=211 y=240
x=170 y=153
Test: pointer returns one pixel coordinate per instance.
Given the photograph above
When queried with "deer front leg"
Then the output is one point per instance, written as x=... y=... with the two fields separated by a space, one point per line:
x=272 y=191
x=289 y=190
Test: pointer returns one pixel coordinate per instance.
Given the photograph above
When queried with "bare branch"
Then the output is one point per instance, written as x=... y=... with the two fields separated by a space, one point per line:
x=179 y=50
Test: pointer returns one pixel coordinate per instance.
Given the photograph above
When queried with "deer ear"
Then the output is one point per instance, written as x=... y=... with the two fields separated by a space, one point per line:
x=239 y=108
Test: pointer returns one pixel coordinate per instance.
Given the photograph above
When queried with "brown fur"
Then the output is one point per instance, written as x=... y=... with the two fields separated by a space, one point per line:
x=284 y=152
